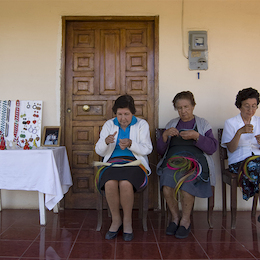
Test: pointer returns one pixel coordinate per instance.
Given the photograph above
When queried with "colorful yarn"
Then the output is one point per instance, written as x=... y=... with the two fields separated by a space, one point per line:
x=117 y=161
x=244 y=170
x=186 y=165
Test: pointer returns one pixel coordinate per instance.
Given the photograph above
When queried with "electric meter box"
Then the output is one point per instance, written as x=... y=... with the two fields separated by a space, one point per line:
x=198 y=50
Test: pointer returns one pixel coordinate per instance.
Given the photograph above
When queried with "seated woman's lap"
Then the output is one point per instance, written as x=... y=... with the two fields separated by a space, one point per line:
x=249 y=179
x=133 y=174
x=197 y=188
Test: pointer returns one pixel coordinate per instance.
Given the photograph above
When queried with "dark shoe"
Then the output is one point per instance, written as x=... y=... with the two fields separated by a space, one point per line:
x=128 y=236
x=171 y=229
x=182 y=232
x=258 y=218
x=111 y=235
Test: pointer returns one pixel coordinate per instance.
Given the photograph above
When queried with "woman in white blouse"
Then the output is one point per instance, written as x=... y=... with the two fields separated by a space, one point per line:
x=241 y=137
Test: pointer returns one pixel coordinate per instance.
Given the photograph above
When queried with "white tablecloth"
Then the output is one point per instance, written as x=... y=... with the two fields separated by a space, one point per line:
x=45 y=170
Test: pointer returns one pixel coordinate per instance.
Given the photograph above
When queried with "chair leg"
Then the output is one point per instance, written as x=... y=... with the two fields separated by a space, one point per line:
x=99 y=210
x=141 y=206
x=145 y=197
x=0 y=202
x=254 y=206
x=224 y=199
x=211 y=207
x=233 y=203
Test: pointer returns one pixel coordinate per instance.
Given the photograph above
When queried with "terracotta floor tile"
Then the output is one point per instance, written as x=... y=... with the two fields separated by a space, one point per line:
x=225 y=250
x=213 y=235
x=72 y=235
x=91 y=235
x=13 y=248
x=132 y=250
x=49 y=250
x=162 y=237
x=140 y=236
x=11 y=258
x=58 y=234
x=253 y=247
x=20 y=233
x=182 y=251
x=105 y=250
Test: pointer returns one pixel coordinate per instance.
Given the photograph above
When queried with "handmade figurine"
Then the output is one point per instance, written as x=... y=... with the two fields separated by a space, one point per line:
x=26 y=145
x=2 y=143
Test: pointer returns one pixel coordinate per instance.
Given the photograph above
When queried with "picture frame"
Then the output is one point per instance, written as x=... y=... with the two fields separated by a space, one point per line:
x=51 y=136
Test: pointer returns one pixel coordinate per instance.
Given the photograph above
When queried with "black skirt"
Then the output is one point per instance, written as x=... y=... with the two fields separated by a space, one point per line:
x=136 y=175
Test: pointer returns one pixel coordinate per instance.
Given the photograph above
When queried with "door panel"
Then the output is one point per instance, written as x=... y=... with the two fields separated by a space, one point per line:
x=104 y=59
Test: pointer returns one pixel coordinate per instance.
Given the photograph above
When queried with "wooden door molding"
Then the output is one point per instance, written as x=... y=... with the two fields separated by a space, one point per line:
x=133 y=82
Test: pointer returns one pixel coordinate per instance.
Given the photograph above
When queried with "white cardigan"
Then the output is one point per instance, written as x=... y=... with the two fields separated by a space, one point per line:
x=139 y=134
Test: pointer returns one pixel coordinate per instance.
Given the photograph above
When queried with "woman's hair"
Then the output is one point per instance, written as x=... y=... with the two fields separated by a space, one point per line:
x=184 y=95
x=124 y=101
x=245 y=94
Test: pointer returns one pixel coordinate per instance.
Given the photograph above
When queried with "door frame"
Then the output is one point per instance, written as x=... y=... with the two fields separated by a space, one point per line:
x=63 y=108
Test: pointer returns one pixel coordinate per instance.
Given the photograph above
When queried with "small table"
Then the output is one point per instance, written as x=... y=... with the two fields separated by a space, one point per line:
x=45 y=170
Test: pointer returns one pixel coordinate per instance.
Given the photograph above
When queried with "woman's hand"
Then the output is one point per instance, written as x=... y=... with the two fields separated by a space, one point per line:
x=233 y=144
x=248 y=128
x=124 y=143
x=111 y=138
x=257 y=138
x=189 y=134
x=169 y=132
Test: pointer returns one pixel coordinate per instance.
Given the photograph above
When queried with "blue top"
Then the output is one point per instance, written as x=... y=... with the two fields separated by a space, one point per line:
x=122 y=135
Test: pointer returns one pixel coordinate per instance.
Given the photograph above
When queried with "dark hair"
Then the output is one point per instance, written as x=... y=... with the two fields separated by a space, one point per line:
x=245 y=94
x=184 y=95
x=125 y=101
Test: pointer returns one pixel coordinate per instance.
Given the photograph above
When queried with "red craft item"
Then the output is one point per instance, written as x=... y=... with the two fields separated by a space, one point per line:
x=2 y=144
x=26 y=146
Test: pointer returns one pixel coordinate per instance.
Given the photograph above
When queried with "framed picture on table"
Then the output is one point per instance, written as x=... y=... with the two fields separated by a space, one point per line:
x=51 y=136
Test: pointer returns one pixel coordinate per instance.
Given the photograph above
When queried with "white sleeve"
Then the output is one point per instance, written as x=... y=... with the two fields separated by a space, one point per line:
x=101 y=147
x=228 y=134
x=144 y=145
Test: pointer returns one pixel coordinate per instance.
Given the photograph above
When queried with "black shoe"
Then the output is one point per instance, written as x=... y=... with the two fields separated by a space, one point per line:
x=258 y=218
x=111 y=235
x=171 y=229
x=128 y=236
x=182 y=232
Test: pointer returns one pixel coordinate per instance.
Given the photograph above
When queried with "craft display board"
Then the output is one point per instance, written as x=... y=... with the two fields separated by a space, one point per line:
x=20 y=123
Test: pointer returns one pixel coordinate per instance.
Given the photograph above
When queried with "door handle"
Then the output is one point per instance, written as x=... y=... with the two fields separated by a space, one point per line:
x=68 y=110
x=86 y=108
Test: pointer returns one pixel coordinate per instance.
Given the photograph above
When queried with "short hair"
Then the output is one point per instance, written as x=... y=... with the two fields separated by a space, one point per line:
x=184 y=95
x=244 y=94
x=124 y=101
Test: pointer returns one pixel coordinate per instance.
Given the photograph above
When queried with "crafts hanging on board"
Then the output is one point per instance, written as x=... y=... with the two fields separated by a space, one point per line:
x=20 y=123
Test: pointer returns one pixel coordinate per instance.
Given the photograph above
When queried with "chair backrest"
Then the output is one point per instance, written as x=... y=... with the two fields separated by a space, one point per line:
x=222 y=151
x=158 y=134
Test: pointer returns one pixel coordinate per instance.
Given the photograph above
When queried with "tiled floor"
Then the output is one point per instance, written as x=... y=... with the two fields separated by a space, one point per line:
x=71 y=234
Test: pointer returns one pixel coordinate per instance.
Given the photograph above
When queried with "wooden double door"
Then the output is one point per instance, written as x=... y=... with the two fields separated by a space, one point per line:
x=103 y=60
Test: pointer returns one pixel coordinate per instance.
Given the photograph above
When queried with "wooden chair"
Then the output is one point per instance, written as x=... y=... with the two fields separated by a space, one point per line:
x=230 y=179
x=143 y=208
x=159 y=132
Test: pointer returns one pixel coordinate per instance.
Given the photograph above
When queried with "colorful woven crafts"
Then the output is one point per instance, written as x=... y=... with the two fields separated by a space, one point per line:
x=185 y=165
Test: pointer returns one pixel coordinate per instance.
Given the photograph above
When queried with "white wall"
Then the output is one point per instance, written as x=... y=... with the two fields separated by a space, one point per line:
x=30 y=51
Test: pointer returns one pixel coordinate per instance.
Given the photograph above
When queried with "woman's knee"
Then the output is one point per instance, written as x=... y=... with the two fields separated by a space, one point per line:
x=125 y=185
x=111 y=185
x=167 y=190
x=187 y=196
